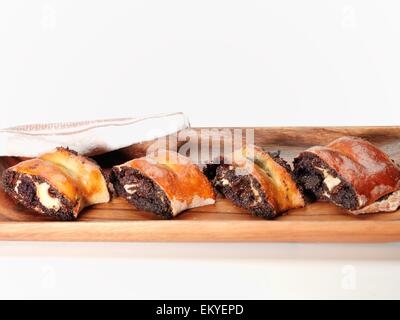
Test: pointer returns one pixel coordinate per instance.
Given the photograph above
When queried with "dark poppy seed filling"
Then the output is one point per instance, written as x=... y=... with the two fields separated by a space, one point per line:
x=320 y=182
x=23 y=188
x=210 y=170
x=244 y=191
x=140 y=191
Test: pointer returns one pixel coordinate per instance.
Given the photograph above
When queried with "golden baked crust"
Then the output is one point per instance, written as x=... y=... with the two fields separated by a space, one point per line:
x=258 y=181
x=277 y=178
x=59 y=183
x=54 y=176
x=365 y=167
x=86 y=174
x=184 y=185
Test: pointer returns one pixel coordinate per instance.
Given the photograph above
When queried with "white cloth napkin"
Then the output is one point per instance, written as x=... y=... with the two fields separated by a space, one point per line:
x=88 y=137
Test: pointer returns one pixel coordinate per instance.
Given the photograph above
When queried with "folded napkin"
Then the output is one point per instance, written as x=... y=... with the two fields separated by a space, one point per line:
x=88 y=137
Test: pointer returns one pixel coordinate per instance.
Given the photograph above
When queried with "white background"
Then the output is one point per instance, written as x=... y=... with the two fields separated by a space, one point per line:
x=223 y=63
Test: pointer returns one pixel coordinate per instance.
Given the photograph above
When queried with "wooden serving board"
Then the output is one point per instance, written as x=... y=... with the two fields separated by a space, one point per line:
x=119 y=221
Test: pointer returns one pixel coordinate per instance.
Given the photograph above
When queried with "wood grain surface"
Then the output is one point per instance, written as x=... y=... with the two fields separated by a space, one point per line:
x=119 y=221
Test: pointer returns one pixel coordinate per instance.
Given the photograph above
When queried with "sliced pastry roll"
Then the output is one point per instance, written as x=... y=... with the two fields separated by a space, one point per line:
x=258 y=181
x=58 y=184
x=352 y=173
x=166 y=184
